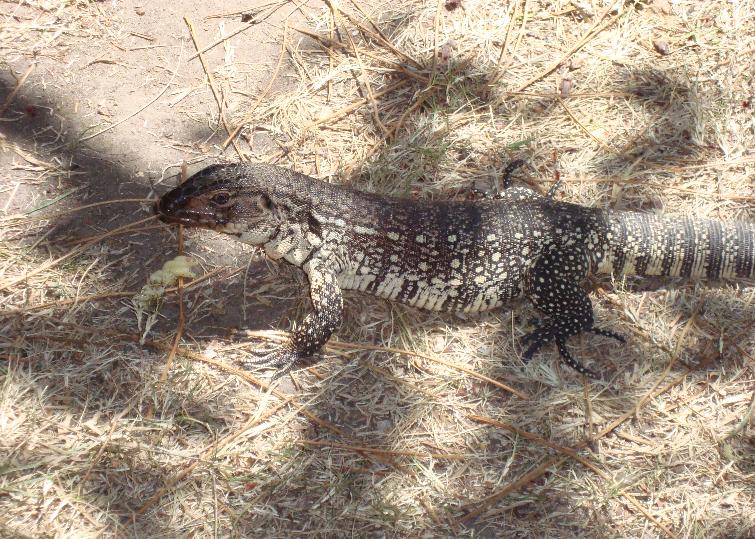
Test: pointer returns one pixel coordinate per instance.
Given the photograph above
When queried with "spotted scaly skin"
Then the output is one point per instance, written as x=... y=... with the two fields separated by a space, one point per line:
x=450 y=256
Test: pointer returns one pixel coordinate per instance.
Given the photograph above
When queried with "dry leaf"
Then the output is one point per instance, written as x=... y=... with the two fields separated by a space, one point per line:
x=661 y=46
x=566 y=85
x=446 y=50
x=661 y=6
x=575 y=63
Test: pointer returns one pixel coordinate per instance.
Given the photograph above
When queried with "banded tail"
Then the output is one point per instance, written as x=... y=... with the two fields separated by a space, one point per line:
x=648 y=244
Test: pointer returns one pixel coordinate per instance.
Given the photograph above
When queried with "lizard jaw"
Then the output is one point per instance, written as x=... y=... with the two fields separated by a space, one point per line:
x=175 y=210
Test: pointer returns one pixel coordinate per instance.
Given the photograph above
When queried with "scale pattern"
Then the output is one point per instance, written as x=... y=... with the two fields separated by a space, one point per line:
x=452 y=256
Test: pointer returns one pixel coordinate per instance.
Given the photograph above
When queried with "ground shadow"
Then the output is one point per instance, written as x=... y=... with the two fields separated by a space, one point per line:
x=103 y=383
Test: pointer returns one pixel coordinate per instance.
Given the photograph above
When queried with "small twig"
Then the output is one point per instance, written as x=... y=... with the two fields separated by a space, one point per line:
x=330 y=43
x=436 y=35
x=674 y=358
x=256 y=10
x=79 y=241
x=475 y=509
x=264 y=93
x=478 y=507
x=365 y=77
x=582 y=127
x=386 y=452
x=500 y=69
x=138 y=111
x=331 y=56
x=598 y=27
x=336 y=345
x=65 y=303
x=211 y=81
x=391 y=132
x=573 y=454
x=348 y=109
x=109 y=295
x=632 y=144
x=76 y=251
x=209 y=452
x=26 y=216
x=181 y=318
x=742 y=425
x=244 y=374
x=588 y=408
x=225 y=37
x=380 y=37
x=12 y=95
x=11 y=197
x=522 y=27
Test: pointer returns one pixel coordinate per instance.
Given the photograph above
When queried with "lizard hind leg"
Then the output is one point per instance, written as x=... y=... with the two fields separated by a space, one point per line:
x=552 y=284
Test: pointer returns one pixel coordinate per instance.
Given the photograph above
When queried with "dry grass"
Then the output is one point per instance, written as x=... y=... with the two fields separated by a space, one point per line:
x=391 y=435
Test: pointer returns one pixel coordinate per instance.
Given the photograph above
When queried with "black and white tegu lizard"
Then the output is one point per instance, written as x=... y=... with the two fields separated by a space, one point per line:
x=449 y=256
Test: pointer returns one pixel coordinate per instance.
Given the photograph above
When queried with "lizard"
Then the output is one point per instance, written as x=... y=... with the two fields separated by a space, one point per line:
x=449 y=255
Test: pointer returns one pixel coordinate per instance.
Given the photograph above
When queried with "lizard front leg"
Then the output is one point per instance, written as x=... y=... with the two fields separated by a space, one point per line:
x=314 y=331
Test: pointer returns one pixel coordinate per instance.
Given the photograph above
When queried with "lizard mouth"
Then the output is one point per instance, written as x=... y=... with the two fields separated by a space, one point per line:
x=172 y=211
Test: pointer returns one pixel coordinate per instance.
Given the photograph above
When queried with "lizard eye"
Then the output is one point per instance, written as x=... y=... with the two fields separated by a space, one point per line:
x=264 y=203
x=221 y=199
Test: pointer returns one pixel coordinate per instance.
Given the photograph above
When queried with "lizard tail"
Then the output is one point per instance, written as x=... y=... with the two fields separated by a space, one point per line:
x=648 y=244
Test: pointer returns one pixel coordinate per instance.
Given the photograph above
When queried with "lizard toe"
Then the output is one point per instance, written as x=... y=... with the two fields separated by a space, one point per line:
x=536 y=340
x=282 y=360
x=608 y=333
x=571 y=362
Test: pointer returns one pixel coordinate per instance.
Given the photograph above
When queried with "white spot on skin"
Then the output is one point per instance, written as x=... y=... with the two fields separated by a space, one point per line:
x=364 y=231
x=496 y=257
x=455 y=264
x=393 y=236
x=420 y=239
x=452 y=238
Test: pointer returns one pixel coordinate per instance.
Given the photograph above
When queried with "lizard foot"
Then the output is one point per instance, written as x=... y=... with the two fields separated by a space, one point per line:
x=539 y=337
x=282 y=360
x=542 y=335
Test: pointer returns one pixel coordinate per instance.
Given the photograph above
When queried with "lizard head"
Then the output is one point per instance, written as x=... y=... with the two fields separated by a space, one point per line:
x=218 y=197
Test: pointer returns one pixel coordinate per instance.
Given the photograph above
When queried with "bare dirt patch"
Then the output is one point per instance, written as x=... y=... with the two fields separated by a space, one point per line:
x=413 y=424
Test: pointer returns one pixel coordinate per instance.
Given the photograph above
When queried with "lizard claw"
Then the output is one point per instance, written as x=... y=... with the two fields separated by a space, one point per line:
x=573 y=363
x=282 y=360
